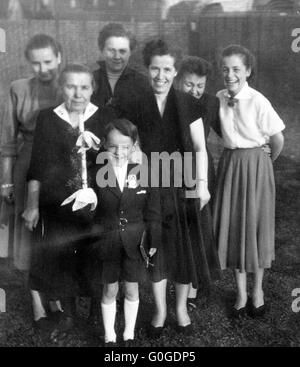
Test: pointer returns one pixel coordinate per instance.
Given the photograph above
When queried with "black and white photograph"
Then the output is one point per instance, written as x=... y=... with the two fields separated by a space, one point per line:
x=149 y=176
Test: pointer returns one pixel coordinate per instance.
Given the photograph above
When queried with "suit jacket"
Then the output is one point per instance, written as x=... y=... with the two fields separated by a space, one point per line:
x=121 y=217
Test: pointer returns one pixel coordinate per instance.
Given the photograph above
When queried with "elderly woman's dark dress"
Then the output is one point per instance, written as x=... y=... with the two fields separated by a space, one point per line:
x=187 y=254
x=55 y=163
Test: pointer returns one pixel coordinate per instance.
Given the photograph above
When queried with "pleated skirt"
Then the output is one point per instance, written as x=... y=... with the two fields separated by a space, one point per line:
x=244 y=210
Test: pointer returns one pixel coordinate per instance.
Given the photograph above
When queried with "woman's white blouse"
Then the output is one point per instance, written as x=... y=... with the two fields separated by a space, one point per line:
x=251 y=120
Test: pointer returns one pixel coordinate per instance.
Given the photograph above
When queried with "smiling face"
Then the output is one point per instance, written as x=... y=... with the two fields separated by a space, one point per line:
x=162 y=72
x=119 y=146
x=193 y=84
x=44 y=63
x=116 y=53
x=235 y=73
x=77 y=90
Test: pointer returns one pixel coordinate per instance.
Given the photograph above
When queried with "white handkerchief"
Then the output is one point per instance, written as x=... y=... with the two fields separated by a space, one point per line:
x=82 y=197
x=141 y=192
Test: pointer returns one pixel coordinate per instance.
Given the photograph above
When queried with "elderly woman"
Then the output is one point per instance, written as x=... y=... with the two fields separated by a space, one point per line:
x=117 y=83
x=170 y=121
x=55 y=174
x=26 y=98
x=192 y=79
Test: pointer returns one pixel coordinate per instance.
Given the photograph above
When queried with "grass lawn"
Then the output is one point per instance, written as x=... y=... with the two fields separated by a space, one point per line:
x=212 y=324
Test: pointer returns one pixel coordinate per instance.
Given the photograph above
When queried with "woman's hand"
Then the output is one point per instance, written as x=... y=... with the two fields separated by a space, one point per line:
x=266 y=148
x=202 y=193
x=152 y=251
x=7 y=193
x=31 y=217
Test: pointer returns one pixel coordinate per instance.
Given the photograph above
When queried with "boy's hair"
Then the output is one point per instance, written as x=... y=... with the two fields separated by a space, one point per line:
x=124 y=126
x=115 y=30
x=159 y=47
x=40 y=41
x=245 y=54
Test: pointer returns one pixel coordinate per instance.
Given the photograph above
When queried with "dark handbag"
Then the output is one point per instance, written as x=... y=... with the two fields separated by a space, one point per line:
x=144 y=252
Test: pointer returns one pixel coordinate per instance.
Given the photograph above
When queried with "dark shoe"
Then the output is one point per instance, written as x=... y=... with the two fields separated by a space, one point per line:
x=155 y=332
x=256 y=312
x=185 y=330
x=241 y=312
x=128 y=343
x=110 y=345
x=43 y=324
x=56 y=316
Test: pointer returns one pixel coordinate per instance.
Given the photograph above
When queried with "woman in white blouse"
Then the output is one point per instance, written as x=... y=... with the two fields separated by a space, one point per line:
x=244 y=207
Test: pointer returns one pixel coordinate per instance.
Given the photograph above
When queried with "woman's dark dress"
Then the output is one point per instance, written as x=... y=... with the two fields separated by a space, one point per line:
x=56 y=164
x=187 y=254
x=128 y=89
x=210 y=105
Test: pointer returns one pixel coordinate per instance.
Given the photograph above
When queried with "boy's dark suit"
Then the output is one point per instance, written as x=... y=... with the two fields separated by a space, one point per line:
x=121 y=217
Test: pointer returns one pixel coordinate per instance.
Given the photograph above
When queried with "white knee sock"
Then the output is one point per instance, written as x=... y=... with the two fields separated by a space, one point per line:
x=130 y=314
x=109 y=316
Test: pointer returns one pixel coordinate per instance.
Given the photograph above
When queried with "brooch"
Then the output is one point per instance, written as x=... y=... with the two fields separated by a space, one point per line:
x=132 y=182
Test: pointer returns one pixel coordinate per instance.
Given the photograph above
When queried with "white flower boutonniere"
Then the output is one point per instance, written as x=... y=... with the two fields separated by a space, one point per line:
x=132 y=182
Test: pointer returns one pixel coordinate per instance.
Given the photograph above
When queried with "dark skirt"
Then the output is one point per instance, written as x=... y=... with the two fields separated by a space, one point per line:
x=244 y=210
x=211 y=177
x=55 y=258
x=188 y=253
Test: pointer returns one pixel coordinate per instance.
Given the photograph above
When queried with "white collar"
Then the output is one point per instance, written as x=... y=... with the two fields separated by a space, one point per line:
x=62 y=112
x=244 y=93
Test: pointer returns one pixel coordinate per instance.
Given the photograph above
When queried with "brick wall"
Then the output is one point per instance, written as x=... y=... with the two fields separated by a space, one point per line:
x=79 y=41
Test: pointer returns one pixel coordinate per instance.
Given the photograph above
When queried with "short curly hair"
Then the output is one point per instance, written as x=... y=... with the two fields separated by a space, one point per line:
x=247 y=57
x=115 y=30
x=159 y=47
x=194 y=65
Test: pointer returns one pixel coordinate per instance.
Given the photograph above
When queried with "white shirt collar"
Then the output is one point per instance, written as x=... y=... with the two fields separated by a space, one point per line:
x=62 y=112
x=121 y=173
x=244 y=93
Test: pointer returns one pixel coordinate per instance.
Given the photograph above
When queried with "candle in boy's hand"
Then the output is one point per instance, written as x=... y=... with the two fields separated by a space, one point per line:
x=83 y=156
